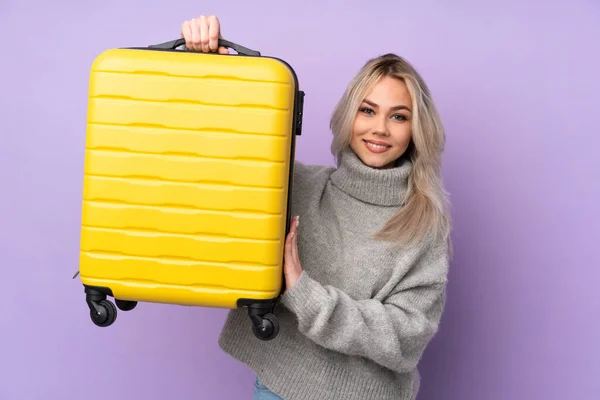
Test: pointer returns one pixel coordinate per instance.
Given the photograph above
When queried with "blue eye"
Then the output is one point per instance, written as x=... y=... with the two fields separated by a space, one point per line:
x=366 y=110
x=400 y=117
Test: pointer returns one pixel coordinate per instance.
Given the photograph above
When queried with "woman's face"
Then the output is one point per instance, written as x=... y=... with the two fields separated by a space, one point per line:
x=382 y=127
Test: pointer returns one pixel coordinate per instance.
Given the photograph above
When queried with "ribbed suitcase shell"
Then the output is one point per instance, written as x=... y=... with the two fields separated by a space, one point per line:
x=187 y=176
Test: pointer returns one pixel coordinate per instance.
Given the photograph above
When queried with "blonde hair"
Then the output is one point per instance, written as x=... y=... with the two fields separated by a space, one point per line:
x=424 y=210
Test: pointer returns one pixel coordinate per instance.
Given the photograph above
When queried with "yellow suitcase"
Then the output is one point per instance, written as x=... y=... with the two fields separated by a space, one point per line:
x=187 y=180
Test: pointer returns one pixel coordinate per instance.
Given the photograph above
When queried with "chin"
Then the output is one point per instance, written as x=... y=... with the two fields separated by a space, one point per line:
x=376 y=160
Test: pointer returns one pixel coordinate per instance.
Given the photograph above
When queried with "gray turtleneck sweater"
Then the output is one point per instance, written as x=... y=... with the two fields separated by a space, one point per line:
x=359 y=318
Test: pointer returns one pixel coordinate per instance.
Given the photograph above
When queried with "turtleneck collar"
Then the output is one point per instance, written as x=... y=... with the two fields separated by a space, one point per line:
x=384 y=187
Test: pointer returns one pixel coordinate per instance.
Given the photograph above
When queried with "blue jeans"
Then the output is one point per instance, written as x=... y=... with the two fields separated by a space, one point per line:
x=261 y=392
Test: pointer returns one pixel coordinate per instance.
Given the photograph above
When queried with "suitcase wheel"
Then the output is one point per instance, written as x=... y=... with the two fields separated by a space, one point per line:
x=103 y=313
x=125 y=305
x=265 y=325
x=267 y=328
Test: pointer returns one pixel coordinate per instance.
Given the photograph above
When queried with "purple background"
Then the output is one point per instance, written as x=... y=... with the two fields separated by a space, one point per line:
x=517 y=85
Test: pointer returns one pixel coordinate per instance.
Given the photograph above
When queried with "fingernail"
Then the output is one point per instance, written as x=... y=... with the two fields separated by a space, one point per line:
x=297 y=220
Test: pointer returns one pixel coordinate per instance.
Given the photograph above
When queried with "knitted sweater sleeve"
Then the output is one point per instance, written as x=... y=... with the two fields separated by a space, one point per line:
x=392 y=332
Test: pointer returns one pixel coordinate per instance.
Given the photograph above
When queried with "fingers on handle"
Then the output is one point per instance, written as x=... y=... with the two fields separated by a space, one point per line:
x=204 y=39
x=186 y=33
x=195 y=39
x=203 y=34
x=214 y=32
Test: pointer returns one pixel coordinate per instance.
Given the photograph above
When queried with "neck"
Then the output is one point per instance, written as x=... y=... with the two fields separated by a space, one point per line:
x=379 y=186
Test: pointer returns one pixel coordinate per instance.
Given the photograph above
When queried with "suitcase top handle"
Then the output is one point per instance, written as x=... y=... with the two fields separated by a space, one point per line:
x=222 y=42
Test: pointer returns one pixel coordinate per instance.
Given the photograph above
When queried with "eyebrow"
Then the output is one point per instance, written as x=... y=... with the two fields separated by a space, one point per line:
x=400 y=107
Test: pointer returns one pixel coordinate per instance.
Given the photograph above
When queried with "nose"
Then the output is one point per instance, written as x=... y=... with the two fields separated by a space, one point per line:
x=380 y=128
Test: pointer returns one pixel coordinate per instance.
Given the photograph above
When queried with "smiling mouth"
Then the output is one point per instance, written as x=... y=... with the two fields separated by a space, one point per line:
x=376 y=146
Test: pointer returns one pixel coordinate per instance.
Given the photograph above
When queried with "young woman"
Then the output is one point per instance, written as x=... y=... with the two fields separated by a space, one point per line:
x=366 y=269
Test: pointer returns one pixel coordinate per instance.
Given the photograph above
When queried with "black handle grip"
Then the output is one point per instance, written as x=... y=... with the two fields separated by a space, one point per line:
x=222 y=42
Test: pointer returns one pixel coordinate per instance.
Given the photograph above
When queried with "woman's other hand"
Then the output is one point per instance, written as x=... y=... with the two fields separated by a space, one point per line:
x=292 y=269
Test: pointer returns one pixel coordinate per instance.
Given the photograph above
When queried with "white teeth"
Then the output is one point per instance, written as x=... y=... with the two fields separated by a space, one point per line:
x=376 y=146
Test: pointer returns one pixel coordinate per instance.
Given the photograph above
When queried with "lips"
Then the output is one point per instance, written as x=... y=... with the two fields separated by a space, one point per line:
x=378 y=143
x=376 y=146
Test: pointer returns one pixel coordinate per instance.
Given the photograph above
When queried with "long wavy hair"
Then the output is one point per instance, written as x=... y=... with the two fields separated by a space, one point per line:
x=424 y=210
